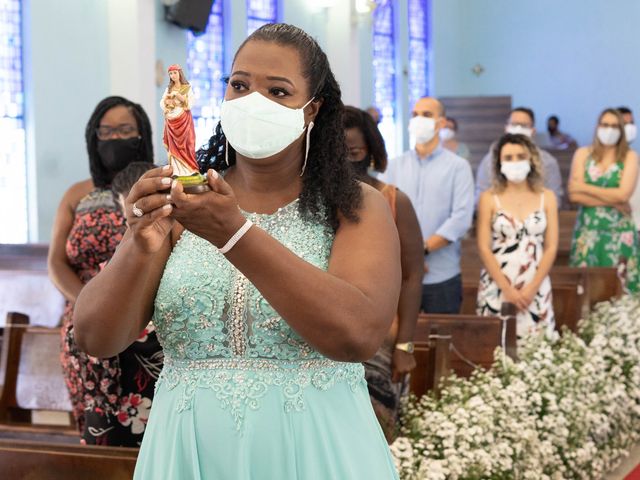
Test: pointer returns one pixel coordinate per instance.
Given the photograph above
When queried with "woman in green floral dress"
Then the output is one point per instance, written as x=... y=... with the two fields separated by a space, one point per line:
x=603 y=176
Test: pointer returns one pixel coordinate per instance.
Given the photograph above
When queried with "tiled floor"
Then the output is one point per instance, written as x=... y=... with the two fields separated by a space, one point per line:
x=627 y=465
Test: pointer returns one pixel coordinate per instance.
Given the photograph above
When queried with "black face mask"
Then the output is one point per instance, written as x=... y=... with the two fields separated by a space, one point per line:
x=118 y=153
x=361 y=167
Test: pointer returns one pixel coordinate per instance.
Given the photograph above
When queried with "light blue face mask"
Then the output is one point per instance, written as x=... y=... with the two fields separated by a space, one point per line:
x=257 y=127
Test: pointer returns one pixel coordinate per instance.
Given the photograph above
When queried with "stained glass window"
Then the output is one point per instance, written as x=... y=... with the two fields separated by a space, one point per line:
x=260 y=12
x=205 y=67
x=13 y=163
x=418 y=49
x=384 y=71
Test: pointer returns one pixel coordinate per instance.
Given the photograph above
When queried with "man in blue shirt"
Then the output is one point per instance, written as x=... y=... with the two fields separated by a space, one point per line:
x=440 y=186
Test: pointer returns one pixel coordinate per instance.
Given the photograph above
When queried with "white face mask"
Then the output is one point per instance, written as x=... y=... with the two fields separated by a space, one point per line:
x=519 y=130
x=517 y=171
x=447 y=134
x=257 y=127
x=630 y=131
x=608 y=136
x=423 y=129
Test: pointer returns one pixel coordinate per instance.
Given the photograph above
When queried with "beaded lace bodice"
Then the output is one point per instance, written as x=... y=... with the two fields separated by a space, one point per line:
x=205 y=308
x=218 y=331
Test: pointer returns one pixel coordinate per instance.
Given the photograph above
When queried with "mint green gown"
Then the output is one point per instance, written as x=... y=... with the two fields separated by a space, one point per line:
x=241 y=395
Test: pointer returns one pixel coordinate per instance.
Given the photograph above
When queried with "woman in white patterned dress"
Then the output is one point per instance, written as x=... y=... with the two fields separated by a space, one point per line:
x=517 y=230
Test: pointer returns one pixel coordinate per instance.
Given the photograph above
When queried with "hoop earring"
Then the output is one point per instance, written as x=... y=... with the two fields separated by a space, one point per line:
x=226 y=151
x=306 y=148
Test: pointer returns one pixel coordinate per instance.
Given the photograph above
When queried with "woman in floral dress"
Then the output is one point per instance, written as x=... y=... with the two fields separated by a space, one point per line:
x=517 y=231
x=603 y=177
x=87 y=229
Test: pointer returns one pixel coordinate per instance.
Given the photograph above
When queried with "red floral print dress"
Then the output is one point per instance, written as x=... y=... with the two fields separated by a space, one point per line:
x=111 y=397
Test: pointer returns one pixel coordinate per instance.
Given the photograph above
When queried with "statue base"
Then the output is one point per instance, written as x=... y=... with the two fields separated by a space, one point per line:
x=193 y=184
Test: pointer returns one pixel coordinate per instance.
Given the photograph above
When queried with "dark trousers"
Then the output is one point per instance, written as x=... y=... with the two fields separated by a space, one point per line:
x=443 y=297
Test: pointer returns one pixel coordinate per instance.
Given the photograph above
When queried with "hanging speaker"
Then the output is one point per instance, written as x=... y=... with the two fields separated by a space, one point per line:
x=189 y=14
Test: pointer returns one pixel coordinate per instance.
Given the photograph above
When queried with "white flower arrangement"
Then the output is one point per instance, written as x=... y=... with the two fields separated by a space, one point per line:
x=569 y=408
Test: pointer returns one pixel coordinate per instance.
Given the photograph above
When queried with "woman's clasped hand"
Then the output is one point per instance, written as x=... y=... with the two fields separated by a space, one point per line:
x=214 y=216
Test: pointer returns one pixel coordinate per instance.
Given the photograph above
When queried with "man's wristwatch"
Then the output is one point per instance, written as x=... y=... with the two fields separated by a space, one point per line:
x=405 y=347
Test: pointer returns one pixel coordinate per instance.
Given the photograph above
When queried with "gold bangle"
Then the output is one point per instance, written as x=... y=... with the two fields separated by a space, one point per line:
x=405 y=347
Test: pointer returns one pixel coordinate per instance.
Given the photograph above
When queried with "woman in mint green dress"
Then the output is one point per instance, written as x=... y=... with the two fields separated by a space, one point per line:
x=266 y=292
x=603 y=177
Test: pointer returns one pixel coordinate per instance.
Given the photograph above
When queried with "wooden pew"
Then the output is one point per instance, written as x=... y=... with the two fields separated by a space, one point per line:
x=566 y=222
x=570 y=302
x=480 y=120
x=564 y=158
x=432 y=355
x=39 y=460
x=28 y=256
x=570 y=305
x=25 y=285
x=604 y=284
x=457 y=343
x=598 y=283
x=31 y=382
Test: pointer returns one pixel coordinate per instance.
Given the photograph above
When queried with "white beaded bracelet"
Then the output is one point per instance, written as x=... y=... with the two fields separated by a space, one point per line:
x=236 y=237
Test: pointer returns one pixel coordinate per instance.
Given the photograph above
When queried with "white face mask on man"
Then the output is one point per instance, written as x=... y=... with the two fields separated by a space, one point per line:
x=630 y=132
x=516 y=171
x=519 y=130
x=447 y=134
x=423 y=129
x=608 y=136
x=257 y=127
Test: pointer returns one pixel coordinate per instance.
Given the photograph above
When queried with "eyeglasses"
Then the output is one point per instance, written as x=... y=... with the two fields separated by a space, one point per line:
x=123 y=131
x=608 y=125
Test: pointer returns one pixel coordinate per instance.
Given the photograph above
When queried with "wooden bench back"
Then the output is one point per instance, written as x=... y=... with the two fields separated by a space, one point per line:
x=30 y=371
x=38 y=460
x=28 y=256
x=471 y=341
x=569 y=305
x=480 y=120
x=564 y=158
x=433 y=360
x=570 y=301
x=566 y=222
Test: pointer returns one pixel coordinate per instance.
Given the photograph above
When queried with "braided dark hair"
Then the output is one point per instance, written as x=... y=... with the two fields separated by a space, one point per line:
x=99 y=173
x=329 y=186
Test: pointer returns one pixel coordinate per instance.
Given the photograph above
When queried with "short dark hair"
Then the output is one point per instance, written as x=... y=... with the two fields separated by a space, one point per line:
x=99 y=173
x=356 y=118
x=554 y=117
x=526 y=110
x=624 y=110
x=455 y=123
x=124 y=179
